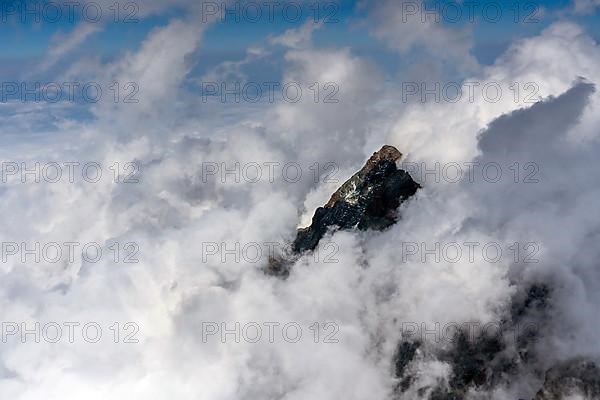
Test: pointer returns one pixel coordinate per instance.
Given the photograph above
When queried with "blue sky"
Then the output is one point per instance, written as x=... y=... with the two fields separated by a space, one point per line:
x=27 y=42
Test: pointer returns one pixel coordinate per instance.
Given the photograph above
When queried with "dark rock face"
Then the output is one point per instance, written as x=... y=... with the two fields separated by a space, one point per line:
x=577 y=377
x=482 y=361
x=529 y=311
x=486 y=361
x=368 y=200
x=475 y=363
x=472 y=361
x=536 y=298
x=405 y=353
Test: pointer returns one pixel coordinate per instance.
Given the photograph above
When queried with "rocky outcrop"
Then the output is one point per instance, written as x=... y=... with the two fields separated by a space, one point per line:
x=368 y=200
x=485 y=361
x=405 y=353
x=572 y=378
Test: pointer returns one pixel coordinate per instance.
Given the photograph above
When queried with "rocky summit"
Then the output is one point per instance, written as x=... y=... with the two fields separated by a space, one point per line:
x=368 y=200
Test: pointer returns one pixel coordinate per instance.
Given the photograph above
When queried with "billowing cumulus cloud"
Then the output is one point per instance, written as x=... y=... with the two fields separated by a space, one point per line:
x=178 y=299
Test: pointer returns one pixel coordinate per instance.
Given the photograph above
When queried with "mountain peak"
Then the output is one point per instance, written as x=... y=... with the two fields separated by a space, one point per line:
x=368 y=200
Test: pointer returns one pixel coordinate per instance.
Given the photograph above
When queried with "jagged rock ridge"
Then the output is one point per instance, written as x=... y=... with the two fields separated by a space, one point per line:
x=484 y=362
x=368 y=200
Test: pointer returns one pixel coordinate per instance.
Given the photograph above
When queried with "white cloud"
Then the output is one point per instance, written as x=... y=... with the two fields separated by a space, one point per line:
x=297 y=38
x=62 y=44
x=405 y=31
x=585 y=6
x=369 y=292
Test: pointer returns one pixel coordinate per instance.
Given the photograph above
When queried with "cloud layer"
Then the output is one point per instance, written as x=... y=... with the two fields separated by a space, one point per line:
x=174 y=292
